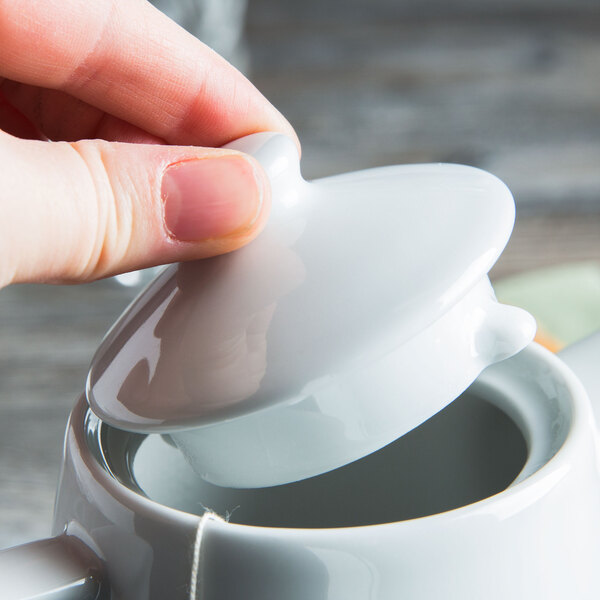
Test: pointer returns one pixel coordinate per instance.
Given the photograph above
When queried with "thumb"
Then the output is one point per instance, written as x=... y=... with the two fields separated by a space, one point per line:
x=73 y=212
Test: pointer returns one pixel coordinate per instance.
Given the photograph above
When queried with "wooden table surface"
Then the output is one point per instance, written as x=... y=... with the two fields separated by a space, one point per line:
x=513 y=88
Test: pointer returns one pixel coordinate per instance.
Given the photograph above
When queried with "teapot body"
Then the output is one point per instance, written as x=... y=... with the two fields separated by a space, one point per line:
x=537 y=539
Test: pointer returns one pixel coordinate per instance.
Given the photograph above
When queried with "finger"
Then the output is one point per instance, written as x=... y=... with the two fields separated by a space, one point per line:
x=62 y=117
x=79 y=211
x=128 y=59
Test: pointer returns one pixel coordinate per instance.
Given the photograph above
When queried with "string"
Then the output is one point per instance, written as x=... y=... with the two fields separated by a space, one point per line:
x=208 y=515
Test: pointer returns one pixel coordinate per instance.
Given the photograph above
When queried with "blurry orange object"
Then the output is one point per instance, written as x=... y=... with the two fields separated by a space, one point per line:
x=552 y=344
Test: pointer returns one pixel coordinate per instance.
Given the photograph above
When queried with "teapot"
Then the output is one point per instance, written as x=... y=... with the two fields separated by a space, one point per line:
x=340 y=410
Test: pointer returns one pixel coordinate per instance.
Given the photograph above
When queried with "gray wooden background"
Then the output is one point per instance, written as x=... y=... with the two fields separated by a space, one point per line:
x=512 y=86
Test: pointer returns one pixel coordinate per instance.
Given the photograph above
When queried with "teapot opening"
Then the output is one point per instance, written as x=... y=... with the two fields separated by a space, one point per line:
x=467 y=452
x=507 y=426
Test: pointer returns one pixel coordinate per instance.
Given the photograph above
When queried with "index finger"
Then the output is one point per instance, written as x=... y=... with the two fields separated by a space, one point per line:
x=128 y=59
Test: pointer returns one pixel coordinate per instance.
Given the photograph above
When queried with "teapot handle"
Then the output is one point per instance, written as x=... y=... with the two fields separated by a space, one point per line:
x=59 y=568
x=583 y=358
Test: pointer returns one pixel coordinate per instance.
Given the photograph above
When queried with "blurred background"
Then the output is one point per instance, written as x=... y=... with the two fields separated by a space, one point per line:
x=511 y=86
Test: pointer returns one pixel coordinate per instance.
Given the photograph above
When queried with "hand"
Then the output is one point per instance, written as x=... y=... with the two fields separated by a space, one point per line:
x=128 y=98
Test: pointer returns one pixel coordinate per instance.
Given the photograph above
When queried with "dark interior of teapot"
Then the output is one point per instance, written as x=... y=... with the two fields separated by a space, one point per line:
x=467 y=452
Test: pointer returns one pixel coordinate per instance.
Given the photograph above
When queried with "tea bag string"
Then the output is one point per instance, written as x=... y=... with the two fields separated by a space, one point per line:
x=197 y=551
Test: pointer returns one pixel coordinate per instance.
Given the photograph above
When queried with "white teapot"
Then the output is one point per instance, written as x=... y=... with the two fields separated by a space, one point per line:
x=341 y=411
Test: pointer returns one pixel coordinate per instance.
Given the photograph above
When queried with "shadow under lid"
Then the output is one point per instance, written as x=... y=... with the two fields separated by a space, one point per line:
x=467 y=452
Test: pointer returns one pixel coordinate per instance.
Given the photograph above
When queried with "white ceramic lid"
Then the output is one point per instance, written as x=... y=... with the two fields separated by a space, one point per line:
x=361 y=310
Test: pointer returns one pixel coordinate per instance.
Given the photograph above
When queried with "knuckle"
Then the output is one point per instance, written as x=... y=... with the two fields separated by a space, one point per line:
x=109 y=210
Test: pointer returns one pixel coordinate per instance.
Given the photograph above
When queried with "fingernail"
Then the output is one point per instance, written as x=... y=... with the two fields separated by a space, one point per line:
x=211 y=198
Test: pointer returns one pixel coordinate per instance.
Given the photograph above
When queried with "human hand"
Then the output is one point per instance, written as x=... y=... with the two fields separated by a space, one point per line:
x=126 y=98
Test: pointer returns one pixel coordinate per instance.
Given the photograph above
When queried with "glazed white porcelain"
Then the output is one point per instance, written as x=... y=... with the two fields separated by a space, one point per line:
x=539 y=539
x=497 y=496
x=361 y=310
